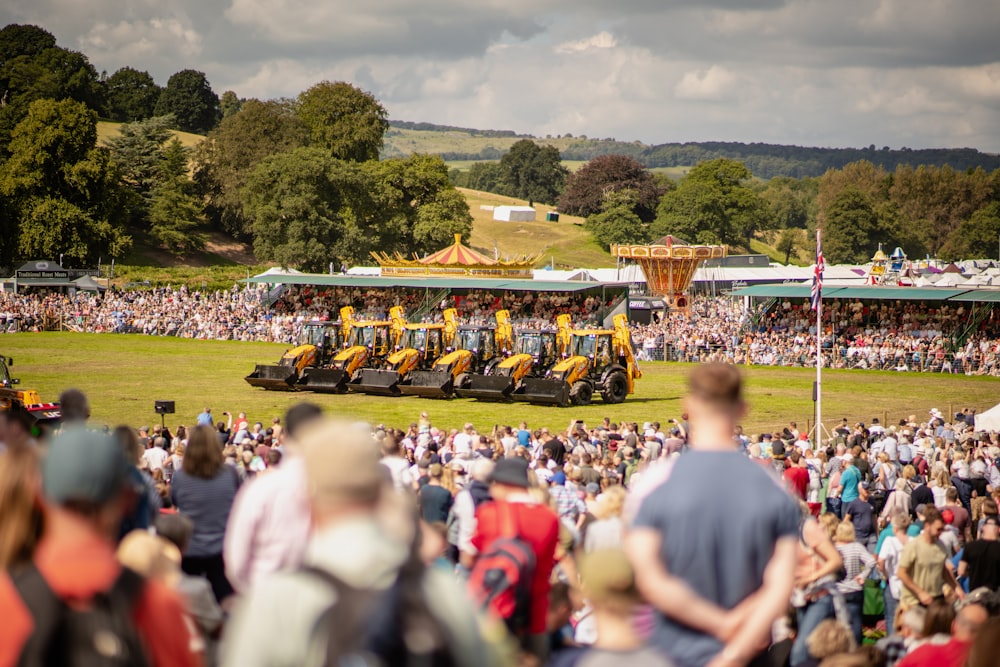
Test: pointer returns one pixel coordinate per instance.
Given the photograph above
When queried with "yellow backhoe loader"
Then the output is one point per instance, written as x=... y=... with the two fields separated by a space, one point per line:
x=318 y=343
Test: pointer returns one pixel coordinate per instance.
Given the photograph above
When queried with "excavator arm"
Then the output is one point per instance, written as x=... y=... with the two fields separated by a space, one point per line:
x=503 y=336
x=623 y=348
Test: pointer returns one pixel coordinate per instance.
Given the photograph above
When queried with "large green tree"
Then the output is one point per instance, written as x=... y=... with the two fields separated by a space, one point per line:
x=713 y=204
x=587 y=188
x=416 y=208
x=230 y=152
x=131 y=95
x=977 y=237
x=532 y=172
x=345 y=120
x=853 y=227
x=63 y=191
x=307 y=210
x=191 y=100
x=32 y=67
x=617 y=221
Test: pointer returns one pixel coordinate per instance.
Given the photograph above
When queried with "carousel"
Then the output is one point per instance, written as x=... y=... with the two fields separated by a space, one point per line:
x=669 y=265
x=895 y=269
x=457 y=260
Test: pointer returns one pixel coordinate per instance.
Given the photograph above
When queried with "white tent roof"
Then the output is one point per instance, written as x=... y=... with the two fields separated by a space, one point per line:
x=989 y=420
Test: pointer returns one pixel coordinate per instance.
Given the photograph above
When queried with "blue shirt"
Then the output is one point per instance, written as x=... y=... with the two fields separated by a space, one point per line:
x=205 y=419
x=850 y=479
x=716 y=544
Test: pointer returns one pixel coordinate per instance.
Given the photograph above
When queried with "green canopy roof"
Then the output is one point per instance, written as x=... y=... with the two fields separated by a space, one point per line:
x=980 y=295
x=495 y=284
x=794 y=291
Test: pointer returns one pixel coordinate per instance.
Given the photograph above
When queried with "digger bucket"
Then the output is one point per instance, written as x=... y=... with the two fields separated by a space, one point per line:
x=428 y=384
x=378 y=382
x=324 y=380
x=273 y=378
x=540 y=390
x=487 y=388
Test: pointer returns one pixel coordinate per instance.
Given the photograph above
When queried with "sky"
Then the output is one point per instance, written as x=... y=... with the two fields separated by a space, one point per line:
x=840 y=73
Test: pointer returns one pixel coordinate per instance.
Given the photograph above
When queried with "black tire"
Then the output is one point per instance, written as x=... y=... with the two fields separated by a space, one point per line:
x=581 y=393
x=462 y=381
x=615 y=388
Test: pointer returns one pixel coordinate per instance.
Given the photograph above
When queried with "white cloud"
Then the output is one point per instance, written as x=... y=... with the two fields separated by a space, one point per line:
x=846 y=73
x=602 y=40
x=714 y=84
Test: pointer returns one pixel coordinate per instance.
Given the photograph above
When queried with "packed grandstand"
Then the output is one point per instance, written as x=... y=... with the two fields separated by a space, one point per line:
x=887 y=335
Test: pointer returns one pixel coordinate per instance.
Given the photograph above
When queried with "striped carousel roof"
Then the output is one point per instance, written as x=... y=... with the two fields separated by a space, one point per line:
x=458 y=254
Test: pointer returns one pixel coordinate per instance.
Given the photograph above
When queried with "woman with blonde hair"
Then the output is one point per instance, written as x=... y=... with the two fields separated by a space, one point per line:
x=858 y=564
x=609 y=529
x=886 y=476
x=898 y=501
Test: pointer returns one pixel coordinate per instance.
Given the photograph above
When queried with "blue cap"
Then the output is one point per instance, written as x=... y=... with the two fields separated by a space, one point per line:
x=558 y=478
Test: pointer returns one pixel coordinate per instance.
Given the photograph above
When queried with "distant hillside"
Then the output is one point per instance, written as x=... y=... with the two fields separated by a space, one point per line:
x=107 y=130
x=764 y=160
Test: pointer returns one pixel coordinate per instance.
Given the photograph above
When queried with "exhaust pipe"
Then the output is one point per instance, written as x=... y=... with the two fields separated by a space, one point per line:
x=273 y=378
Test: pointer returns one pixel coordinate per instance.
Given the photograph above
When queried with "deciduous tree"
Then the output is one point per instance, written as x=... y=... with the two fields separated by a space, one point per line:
x=587 y=188
x=532 y=172
x=191 y=100
x=617 y=222
x=131 y=95
x=230 y=152
x=64 y=192
x=713 y=204
x=345 y=120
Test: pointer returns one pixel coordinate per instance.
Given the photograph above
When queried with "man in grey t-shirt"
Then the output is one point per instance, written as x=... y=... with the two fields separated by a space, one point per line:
x=716 y=567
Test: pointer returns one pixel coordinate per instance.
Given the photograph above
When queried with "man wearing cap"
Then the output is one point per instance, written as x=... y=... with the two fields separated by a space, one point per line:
x=85 y=483
x=535 y=524
x=716 y=573
x=268 y=526
x=363 y=536
x=981 y=558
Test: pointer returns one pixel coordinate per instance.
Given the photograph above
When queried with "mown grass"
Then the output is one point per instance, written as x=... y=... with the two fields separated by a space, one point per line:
x=107 y=130
x=565 y=243
x=123 y=375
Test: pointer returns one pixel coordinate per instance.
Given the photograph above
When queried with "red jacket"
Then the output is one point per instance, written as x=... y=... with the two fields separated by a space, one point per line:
x=538 y=526
x=77 y=563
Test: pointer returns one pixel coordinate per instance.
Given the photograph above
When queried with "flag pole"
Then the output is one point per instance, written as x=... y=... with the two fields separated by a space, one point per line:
x=818 y=288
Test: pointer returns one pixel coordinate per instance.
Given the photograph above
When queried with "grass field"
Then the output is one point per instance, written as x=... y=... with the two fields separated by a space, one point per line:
x=123 y=375
x=107 y=129
x=565 y=243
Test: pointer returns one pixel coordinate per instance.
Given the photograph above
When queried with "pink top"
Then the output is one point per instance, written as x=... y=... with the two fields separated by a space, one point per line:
x=269 y=525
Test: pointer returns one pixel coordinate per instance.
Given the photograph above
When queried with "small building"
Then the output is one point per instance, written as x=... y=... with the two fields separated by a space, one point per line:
x=514 y=213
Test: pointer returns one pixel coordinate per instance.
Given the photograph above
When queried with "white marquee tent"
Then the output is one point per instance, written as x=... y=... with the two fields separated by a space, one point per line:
x=989 y=420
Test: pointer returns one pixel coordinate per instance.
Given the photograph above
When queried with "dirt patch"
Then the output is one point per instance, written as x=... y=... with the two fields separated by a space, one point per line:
x=229 y=248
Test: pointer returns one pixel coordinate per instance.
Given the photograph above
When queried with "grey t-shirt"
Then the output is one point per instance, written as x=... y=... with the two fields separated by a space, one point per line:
x=720 y=515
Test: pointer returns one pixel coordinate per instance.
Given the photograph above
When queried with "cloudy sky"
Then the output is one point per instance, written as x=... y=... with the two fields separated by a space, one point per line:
x=917 y=73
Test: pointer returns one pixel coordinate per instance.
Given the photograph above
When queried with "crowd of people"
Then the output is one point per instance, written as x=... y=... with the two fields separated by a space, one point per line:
x=259 y=314
x=887 y=335
x=306 y=540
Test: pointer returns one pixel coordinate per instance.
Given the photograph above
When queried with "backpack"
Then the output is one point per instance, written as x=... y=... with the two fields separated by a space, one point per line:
x=368 y=628
x=103 y=635
x=501 y=578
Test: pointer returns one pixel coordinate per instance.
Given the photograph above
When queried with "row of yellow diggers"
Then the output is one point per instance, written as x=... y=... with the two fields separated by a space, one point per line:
x=549 y=365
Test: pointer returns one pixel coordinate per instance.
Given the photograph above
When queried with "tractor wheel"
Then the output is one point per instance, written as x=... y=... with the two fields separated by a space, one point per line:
x=615 y=388
x=581 y=393
x=462 y=381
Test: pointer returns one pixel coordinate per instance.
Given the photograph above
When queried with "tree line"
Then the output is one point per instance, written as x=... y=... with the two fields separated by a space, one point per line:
x=299 y=178
x=927 y=210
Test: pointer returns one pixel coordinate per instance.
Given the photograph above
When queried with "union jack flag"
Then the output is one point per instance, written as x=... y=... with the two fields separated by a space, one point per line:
x=817 y=282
